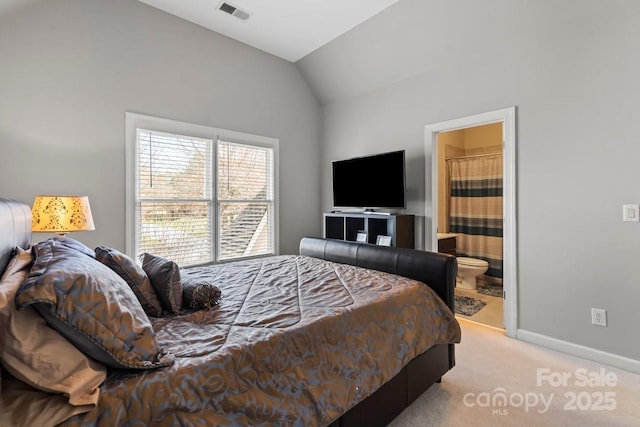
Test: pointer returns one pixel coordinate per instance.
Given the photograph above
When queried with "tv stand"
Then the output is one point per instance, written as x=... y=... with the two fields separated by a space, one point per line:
x=346 y=225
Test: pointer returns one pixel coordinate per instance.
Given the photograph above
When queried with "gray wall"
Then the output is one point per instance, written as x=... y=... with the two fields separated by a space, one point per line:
x=70 y=69
x=571 y=68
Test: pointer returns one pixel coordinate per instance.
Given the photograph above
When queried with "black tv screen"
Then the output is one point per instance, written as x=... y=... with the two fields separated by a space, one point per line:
x=370 y=182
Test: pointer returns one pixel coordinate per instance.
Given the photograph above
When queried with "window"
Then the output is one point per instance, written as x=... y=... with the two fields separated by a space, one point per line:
x=245 y=199
x=198 y=194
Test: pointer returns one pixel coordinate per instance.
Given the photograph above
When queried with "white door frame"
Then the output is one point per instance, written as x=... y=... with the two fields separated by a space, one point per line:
x=507 y=117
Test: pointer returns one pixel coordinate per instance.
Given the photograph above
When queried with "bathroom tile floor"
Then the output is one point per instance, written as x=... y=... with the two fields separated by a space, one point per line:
x=491 y=314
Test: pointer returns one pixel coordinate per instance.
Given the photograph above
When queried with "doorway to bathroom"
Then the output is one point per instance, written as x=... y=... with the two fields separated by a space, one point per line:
x=470 y=218
x=472 y=209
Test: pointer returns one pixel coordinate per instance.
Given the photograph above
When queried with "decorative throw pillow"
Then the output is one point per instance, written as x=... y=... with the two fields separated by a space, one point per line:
x=90 y=305
x=198 y=292
x=135 y=277
x=36 y=354
x=165 y=278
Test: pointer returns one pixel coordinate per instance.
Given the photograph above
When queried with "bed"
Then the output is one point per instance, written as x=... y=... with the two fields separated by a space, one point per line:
x=342 y=334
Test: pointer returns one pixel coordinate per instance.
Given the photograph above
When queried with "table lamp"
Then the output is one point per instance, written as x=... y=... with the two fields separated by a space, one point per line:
x=61 y=214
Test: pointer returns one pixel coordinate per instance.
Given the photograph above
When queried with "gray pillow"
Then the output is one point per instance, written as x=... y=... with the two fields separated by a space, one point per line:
x=91 y=306
x=199 y=293
x=135 y=277
x=165 y=279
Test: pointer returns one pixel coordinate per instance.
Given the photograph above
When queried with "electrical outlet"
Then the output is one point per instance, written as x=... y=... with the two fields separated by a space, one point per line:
x=598 y=317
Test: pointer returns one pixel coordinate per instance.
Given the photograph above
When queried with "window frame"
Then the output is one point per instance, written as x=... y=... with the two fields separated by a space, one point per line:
x=135 y=121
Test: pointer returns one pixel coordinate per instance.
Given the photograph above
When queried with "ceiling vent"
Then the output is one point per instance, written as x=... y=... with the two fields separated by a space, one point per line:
x=234 y=11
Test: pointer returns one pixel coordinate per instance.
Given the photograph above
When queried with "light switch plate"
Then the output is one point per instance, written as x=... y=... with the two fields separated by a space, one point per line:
x=630 y=213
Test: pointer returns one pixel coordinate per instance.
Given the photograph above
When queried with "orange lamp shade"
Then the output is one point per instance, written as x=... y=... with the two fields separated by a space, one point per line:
x=61 y=214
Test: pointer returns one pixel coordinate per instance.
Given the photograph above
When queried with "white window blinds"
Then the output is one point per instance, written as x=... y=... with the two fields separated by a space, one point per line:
x=201 y=200
x=174 y=218
x=245 y=200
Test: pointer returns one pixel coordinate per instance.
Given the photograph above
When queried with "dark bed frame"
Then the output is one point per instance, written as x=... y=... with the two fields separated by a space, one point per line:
x=436 y=270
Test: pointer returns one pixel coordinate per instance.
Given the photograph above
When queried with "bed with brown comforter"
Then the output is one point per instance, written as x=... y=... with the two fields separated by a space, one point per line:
x=295 y=340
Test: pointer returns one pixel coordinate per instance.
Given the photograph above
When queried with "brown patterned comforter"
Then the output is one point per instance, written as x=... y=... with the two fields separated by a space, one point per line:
x=295 y=341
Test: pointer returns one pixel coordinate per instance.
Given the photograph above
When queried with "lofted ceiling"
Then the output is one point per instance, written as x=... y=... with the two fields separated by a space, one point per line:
x=289 y=29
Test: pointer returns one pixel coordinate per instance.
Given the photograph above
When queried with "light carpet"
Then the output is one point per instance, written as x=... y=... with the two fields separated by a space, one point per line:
x=489 y=365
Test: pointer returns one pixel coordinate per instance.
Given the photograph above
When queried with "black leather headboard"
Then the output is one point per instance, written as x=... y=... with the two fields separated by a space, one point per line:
x=15 y=228
x=435 y=269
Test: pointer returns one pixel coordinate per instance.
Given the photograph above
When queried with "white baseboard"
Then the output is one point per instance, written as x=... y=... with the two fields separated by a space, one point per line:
x=578 y=350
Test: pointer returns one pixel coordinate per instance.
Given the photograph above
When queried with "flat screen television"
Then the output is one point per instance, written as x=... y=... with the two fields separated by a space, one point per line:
x=369 y=182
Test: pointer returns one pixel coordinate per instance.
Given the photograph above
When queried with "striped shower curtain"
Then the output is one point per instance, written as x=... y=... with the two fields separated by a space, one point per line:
x=475 y=208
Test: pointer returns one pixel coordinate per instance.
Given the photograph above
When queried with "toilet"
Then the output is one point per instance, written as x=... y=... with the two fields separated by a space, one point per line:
x=468 y=270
